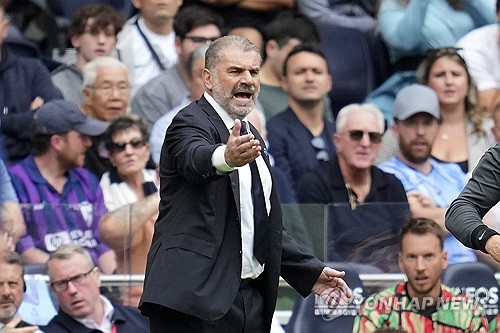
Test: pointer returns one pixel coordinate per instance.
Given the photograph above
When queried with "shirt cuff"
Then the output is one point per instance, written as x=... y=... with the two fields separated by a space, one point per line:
x=219 y=161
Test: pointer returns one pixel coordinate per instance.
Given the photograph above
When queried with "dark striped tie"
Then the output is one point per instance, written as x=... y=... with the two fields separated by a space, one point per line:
x=260 y=218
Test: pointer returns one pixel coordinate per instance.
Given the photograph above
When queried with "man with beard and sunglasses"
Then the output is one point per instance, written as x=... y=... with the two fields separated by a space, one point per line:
x=218 y=247
x=431 y=186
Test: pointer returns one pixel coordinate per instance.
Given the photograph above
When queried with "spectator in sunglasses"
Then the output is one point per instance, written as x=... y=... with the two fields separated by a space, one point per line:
x=131 y=196
x=350 y=176
x=431 y=186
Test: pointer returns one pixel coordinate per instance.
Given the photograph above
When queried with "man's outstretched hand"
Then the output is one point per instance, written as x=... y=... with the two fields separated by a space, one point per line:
x=332 y=288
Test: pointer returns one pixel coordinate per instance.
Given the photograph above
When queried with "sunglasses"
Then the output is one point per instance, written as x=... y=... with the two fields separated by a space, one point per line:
x=357 y=135
x=118 y=147
x=319 y=145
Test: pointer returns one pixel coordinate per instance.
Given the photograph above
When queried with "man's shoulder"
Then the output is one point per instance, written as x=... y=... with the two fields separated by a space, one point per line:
x=63 y=323
x=66 y=70
x=485 y=35
x=129 y=316
x=84 y=176
x=282 y=119
x=392 y=165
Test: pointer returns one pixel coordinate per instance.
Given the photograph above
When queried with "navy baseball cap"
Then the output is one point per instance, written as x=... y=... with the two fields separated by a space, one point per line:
x=60 y=116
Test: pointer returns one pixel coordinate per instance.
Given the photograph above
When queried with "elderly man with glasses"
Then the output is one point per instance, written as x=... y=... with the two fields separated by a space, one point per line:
x=75 y=282
x=106 y=93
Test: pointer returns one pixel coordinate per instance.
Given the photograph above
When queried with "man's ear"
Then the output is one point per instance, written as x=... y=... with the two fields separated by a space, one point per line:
x=400 y=262
x=206 y=75
x=75 y=41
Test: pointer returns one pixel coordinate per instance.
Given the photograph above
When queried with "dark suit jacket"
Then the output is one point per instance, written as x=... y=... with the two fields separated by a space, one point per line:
x=290 y=145
x=127 y=320
x=194 y=264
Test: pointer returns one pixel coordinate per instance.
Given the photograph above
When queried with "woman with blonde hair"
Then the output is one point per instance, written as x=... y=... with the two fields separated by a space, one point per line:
x=463 y=131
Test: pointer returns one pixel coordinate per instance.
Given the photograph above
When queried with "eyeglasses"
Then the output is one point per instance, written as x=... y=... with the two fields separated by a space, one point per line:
x=357 y=135
x=76 y=280
x=108 y=89
x=201 y=40
x=118 y=147
x=320 y=145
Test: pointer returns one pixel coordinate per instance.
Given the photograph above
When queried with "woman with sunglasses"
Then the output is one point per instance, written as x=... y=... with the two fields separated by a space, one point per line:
x=410 y=28
x=463 y=132
x=131 y=196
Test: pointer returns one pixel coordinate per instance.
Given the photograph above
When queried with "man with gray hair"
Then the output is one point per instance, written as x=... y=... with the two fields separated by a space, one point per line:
x=12 y=288
x=75 y=281
x=350 y=177
x=218 y=244
x=106 y=93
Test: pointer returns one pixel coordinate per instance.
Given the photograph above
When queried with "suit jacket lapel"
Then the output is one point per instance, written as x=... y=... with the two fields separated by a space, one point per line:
x=221 y=128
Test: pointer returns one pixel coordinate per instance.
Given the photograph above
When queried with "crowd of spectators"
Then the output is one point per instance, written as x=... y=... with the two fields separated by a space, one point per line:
x=78 y=164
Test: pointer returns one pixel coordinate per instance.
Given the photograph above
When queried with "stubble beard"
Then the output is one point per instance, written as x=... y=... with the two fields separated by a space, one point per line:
x=225 y=99
x=406 y=151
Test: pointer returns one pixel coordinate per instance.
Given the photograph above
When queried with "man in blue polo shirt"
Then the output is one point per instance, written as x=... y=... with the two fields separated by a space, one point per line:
x=66 y=201
x=430 y=185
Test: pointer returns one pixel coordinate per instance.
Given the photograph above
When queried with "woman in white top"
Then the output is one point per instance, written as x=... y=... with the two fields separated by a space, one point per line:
x=131 y=196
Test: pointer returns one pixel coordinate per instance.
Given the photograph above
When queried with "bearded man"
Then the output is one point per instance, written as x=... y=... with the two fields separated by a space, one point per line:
x=218 y=244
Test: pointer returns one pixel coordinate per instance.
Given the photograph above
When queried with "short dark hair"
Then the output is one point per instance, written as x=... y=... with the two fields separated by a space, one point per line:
x=305 y=47
x=103 y=15
x=124 y=122
x=40 y=143
x=421 y=226
x=192 y=17
x=291 y=24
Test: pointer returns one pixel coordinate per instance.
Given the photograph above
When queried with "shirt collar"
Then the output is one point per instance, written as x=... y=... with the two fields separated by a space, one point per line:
x=226 y=118
x=35 y=174
x=107 y=320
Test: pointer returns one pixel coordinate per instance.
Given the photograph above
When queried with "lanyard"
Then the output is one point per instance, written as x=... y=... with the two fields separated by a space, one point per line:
x=150 y=47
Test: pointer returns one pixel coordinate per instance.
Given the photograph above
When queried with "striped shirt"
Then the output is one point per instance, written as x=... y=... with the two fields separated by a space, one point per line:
x=54 y=218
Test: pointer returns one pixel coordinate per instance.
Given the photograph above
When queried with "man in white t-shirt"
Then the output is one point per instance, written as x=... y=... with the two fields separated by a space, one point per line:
x=481 y=50
x=147 y=42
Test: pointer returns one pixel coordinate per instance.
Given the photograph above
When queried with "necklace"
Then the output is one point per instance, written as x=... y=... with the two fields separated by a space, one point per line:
x=353 y=197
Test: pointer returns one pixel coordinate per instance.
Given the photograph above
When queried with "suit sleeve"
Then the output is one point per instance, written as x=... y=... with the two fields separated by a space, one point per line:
x=189 y=146
x=299 y=269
